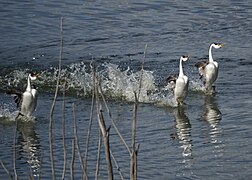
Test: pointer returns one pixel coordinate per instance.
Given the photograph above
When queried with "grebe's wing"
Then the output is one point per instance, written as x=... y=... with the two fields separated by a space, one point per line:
x=17 y=95
x=172 y=81
x=201 y=68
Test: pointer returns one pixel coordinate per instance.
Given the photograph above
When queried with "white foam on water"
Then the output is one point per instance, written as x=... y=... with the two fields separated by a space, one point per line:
x=6 y=115
x=115 y=83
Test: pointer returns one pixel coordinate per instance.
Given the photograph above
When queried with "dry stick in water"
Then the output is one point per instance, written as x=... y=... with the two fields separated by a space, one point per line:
x=72 y=161
x=31 y=176
x=112 y=121
x=77 y=142
x=133 y=163
x=105 y=133
x=118 y=132
x=63 y=131
x=141 y=75
x=99 y=143
x=7 y=172
x=90 y=124
x=98 y=157
x=41 y=162
x=54 y=100
x=116 y=164
x=14 y=151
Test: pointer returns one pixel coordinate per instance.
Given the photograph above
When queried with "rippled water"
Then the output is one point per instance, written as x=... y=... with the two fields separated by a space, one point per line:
x=210 y=137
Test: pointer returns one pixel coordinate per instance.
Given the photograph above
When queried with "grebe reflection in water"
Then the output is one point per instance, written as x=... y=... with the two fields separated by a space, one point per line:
x=211 y=112
x=212 y=115
x=183 y=130
x=29 y=146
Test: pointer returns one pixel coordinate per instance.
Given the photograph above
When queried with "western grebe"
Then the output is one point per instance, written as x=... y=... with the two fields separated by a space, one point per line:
x=34 y=92
x=180 y=83
x=26 y=101
x=208 y=71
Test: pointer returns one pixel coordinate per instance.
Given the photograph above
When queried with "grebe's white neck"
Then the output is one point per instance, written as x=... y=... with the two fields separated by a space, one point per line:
x=210 y=54
x=181 y=73
x=216 y=46
x=182 y=58
x=30 y=77
x=28 y=88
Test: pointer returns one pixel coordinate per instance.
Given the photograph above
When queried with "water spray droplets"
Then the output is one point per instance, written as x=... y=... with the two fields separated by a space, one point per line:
x=115 y=82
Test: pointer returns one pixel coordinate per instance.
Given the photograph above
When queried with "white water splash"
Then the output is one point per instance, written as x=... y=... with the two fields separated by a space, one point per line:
x=115 y=83
x=125 y=83
x=6 y=115
x=197 y=86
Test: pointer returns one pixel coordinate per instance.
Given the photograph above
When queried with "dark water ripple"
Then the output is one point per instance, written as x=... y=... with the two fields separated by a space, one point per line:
x=209 y=138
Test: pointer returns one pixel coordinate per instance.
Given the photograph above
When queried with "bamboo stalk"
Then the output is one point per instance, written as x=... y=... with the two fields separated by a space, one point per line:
x=54 y=101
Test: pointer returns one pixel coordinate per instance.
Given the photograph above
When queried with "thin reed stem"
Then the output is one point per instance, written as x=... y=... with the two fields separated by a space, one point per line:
x=106 y=145
x=7 y=172
x=54 y=101
x=133 y=163
x=98 y=157
x=134 y=121
x=141 y=75
x=14 y=151
x=112 y=121
x=104 y=131
x=63 y=131
x=72 y=160
x=31 y=176
x=77 y=141
x=90 y=123
x=40 y=171
x=116 y=164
